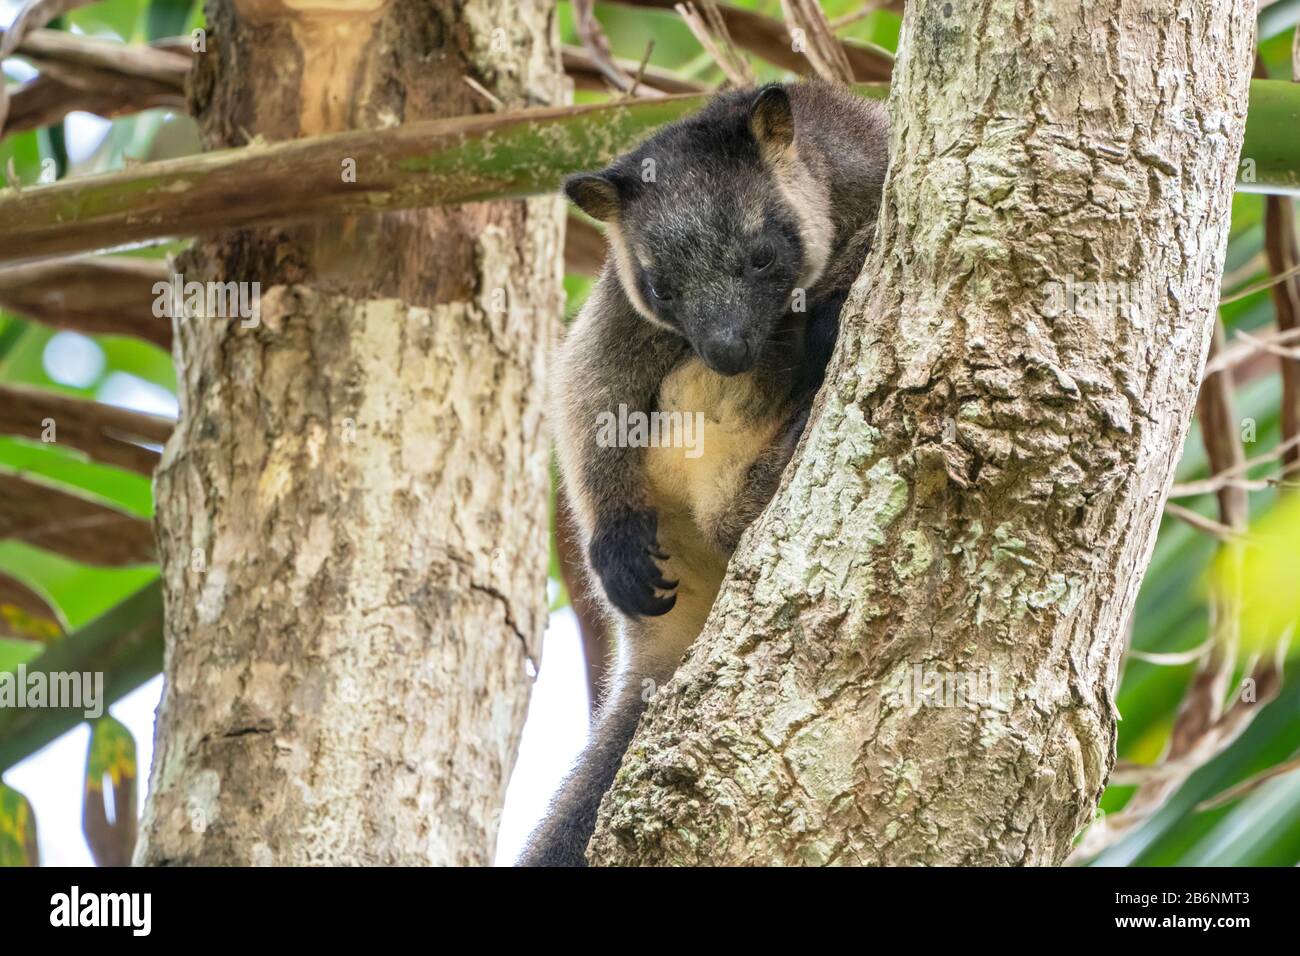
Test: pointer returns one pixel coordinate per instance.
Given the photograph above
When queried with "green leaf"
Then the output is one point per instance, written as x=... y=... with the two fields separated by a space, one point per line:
x=80 y=591
x=125 y=645
x=25 y=152
x=14 y=652
x=63 y=465
x=1264 y=569
x=1169 y=835
x=18 y=846
x=121 y=17
x=108 y=815
x=110 y=758
x=167 y=18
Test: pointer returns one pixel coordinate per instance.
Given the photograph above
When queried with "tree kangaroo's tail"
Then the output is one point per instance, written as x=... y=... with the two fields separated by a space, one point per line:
x=561 y=839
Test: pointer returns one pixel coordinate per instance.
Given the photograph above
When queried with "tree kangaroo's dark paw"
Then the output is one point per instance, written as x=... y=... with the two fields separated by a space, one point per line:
x=624 y=554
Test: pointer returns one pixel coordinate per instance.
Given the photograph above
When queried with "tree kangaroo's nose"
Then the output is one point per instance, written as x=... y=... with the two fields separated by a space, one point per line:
x=727 y=355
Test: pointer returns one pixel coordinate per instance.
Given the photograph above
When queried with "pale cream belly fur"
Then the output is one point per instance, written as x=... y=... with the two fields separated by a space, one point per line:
x=687 y=491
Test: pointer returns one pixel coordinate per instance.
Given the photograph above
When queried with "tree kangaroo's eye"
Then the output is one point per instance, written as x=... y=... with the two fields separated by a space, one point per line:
x=660 y=294
x=761 y=259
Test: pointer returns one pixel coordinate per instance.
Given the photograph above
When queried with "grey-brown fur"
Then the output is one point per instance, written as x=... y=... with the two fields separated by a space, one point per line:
x=691 y=312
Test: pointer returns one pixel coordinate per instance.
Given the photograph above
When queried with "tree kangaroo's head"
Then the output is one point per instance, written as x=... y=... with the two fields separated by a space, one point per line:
x=713 y=223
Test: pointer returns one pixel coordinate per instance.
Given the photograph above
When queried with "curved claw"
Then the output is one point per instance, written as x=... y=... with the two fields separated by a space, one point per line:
x=660 y=606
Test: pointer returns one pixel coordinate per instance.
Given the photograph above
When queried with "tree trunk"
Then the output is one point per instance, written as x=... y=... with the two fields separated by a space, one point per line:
x=352 y=512
x=914 y=656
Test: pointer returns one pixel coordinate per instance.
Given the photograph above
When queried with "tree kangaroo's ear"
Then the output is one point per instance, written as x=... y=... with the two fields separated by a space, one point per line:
x=594 y=193
x=771 y=120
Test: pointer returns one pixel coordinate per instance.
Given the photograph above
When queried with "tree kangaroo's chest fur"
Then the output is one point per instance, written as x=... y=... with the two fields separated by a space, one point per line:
x=733 y=420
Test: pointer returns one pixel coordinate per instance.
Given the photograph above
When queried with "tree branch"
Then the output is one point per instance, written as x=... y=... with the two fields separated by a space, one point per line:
x=34 y=15
x=587 y=74
x=418 y=164
x=125 y=644
x=159 y=63
x=710 y=30
x=825 y=51
x=1201 y=729
x=75 y=527
x=596 y=44
x=1283 y=253
x=767 y=37
x=107 y=433
x=979 y=488
x=44 y=101
x=94 y=295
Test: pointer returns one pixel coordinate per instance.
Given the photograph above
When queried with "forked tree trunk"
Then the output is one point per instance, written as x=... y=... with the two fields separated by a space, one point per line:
x=978 y=496
x=352 y=512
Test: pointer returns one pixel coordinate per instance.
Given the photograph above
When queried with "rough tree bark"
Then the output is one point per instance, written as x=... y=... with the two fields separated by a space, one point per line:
x=352 y=511
x=979 y=492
